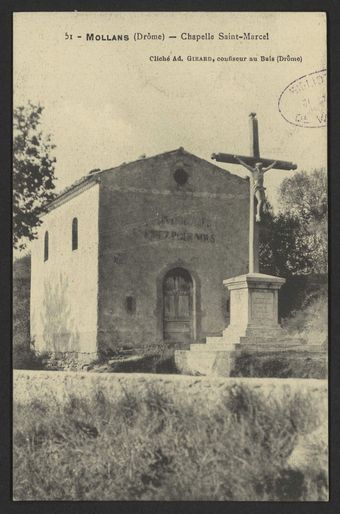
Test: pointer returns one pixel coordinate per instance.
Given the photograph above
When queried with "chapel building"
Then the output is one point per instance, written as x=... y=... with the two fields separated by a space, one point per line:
x=135 y=256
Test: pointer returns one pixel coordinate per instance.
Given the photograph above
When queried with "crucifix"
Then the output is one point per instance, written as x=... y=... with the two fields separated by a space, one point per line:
x=256 y=166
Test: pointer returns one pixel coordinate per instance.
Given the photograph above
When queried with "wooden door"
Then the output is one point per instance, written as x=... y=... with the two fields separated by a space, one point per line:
x=178 y=306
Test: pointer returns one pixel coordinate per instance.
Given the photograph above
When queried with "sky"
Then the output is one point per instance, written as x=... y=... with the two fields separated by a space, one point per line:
x=106 y=102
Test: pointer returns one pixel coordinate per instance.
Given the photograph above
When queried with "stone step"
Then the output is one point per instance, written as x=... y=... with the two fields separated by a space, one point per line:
x=220 y=344
x=227 y=342
x=214 y=339
x=213 y=347
x=254 y=332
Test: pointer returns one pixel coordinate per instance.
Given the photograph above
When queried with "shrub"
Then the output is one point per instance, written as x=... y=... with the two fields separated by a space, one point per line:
x=26 y=358
x=311 y=321
x=23 y=351
x=287 y=364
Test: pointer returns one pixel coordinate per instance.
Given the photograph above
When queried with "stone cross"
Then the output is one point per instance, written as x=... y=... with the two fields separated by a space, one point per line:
x=257 y=166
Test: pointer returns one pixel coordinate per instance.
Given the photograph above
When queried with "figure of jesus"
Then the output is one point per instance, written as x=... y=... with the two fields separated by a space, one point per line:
x=257 y=173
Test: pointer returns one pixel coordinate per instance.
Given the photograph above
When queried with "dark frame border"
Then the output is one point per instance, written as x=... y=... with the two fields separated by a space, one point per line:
x=332 y=8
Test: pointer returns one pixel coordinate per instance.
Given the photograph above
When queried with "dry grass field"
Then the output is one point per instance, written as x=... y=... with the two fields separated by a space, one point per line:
x=145 y=444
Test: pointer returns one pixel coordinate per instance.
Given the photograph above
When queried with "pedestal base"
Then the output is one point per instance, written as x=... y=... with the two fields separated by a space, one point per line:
x=253 y=310
x=253 y=328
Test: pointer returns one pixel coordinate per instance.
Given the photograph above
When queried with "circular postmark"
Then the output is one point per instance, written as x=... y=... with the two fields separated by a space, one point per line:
x=304 y=101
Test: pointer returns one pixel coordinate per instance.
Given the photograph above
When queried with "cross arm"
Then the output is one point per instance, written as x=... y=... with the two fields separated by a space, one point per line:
x=279 y=165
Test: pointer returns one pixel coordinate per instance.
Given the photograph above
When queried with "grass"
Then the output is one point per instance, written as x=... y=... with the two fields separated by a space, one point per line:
x=156 y=448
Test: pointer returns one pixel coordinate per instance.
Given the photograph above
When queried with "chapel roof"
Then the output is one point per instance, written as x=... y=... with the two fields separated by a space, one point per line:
x=94 y=174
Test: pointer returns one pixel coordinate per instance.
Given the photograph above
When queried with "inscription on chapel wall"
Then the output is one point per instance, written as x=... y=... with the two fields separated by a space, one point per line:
x=262 y=305
x=189 y=220
x=173 y=235
x=189 y=228
x=180 y=228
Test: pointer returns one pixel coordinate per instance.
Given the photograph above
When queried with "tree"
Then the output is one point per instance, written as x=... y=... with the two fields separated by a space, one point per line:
x=281 y=252
x=33 y=173
x=304 y=196
x=294 y=242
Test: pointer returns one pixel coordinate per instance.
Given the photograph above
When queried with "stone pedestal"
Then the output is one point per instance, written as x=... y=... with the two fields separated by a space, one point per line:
x=253 y=327
x=253 y=311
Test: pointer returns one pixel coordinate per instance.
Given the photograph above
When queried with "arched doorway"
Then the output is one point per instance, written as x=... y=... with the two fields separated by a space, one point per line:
x=178 y=307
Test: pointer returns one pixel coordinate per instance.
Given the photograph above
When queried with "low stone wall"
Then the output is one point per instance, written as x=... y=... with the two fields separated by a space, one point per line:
x=59 y=385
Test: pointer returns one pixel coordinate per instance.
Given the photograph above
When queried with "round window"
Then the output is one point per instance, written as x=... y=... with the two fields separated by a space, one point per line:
x=181 y=176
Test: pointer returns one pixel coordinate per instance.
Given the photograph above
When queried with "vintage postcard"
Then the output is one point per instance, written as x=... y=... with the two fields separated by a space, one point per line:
x=170 y=337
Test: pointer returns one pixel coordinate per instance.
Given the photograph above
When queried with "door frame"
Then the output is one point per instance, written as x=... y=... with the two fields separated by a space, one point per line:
x=196 y=299
x=180 y=272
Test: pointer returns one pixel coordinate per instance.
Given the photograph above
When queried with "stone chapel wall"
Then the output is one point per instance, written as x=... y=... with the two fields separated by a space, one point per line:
x=150 y=224
x=64 y=288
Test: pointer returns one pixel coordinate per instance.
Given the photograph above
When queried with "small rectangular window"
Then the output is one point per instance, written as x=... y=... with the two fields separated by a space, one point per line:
x=46 y=246
x=74 y=234
x=130 y=304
